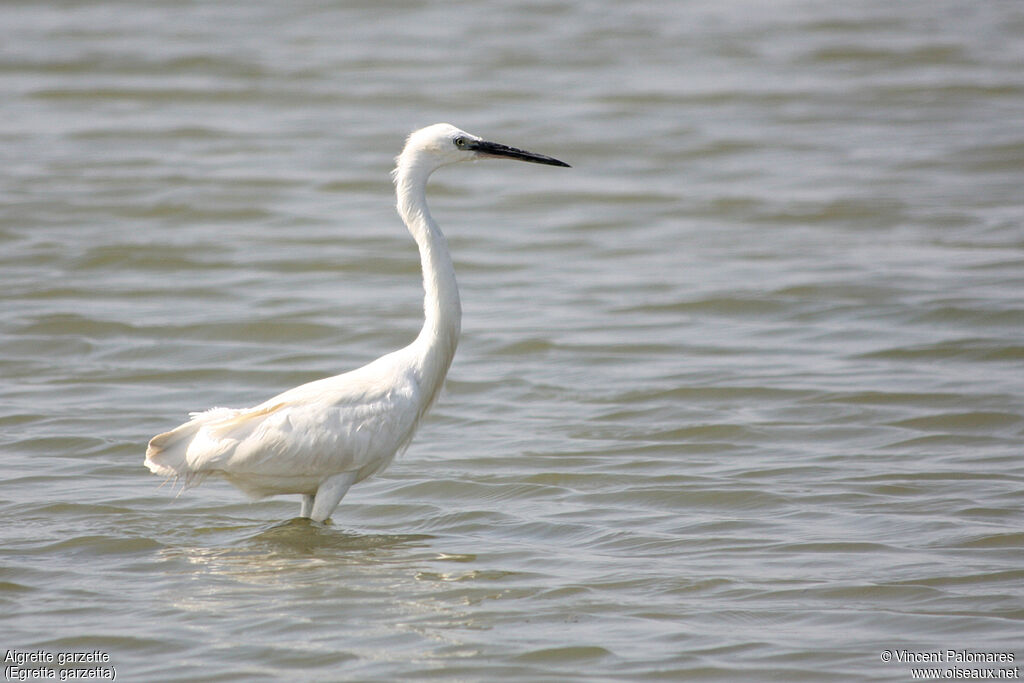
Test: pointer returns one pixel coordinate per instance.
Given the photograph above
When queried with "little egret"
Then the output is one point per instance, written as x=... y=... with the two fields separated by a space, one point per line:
x=320 y=438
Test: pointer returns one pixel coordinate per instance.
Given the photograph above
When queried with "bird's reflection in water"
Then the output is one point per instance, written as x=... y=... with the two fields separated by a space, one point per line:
x=290 y=550
x=304 y=536
x=304 y=572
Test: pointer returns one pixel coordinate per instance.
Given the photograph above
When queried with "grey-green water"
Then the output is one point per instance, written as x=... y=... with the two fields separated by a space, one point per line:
x=740 y=396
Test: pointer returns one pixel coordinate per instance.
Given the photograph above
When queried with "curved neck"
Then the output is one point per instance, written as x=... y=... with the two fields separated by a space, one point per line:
x=434 y=348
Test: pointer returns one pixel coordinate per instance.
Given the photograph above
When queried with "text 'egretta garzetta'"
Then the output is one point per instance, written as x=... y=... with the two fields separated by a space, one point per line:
x=318 y=439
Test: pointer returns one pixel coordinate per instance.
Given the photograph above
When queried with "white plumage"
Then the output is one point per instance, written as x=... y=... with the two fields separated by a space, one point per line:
x=320 y=438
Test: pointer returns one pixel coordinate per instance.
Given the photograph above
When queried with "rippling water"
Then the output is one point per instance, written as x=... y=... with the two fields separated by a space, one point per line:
x=740 y=396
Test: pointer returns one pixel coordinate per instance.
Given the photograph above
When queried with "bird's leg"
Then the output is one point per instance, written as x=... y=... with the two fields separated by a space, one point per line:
x=330 y=494
x=307 y=506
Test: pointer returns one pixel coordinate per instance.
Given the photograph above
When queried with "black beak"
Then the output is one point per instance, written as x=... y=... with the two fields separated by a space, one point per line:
x=494 y=149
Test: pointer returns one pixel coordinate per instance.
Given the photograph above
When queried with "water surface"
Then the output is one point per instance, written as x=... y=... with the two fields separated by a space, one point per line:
x=740 y=396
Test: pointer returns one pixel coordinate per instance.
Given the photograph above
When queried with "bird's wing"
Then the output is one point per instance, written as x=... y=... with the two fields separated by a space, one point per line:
x=315 y=432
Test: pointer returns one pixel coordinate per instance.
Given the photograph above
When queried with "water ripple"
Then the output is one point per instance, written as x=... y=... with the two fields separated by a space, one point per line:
x=738 y=397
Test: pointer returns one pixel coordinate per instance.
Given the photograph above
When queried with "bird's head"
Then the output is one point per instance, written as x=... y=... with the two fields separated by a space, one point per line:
x=442 y=144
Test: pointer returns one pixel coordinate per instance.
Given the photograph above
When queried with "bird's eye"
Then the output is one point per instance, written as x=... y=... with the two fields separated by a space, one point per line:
x=460 y=142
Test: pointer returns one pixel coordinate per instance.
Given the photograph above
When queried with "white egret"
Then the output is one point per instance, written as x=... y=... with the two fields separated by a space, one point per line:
x=318 y=439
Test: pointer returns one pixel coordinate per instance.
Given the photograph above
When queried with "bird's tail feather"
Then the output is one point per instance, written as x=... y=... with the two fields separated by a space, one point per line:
x=167 y=453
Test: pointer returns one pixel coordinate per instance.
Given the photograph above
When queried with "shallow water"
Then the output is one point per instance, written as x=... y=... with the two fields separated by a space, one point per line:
x=740 y=396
